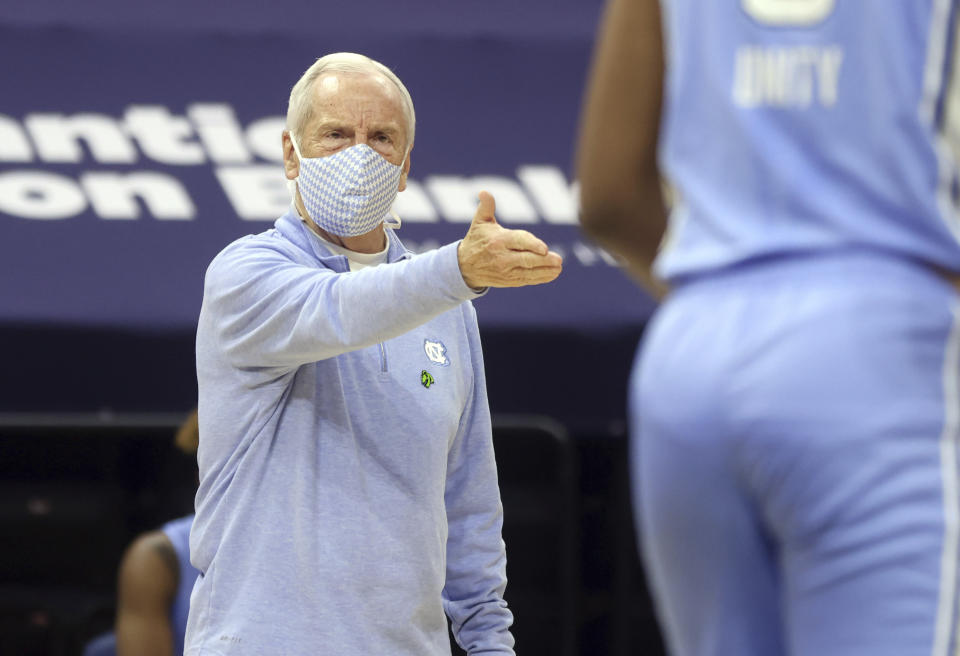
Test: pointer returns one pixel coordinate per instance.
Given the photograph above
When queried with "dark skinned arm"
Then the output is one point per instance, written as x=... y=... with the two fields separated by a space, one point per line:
x=621 y=200
x=149 y=575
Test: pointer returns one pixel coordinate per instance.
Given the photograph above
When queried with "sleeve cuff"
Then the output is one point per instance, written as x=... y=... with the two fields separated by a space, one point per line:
x=453 y=267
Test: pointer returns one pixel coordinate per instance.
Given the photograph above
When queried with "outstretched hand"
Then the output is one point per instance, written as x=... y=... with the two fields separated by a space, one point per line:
x=493 y=256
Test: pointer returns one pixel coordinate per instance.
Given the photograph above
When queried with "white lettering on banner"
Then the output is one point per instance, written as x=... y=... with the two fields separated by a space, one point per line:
x=40 y=195
x=456 y=197
x=263 y=137
x=220 y=133
x=557 y=199
x=260 y=193
x=607 y=257
x=115 y=195
x=512 y=204
x=210 y=130
x=413 y=205
x=257 y=193
x=422 y=246
x=244 y=157
x=587 y=255
x=14 y=146
x=57 y=138
x=787 y=77
x=163 y=137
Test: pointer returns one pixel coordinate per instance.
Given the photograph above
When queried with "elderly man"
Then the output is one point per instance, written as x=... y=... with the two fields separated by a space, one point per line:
x=348 y=492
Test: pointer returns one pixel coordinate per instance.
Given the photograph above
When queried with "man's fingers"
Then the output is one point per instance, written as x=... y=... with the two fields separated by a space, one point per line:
x=528 y=260
x=530 y=276
x=493 y=256
x=486 y=209
x=521 y=240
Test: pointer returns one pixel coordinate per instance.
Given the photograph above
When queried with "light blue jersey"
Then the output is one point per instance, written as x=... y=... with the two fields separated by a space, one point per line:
x=795 y=407
x=799 y=126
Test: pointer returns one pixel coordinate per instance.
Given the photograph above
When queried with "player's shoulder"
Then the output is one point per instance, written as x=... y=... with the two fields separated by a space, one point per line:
x=150 y=559
x=149 y=576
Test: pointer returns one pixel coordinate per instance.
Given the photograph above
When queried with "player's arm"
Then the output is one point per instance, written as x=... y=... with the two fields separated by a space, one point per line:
x=149 y=574
x=622 y=206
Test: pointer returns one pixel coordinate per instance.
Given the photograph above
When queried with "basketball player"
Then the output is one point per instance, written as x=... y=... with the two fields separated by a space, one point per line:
x=155 y=582
x=794 y=406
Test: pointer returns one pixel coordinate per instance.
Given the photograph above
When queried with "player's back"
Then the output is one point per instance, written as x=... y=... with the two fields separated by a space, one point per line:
x=803 y=126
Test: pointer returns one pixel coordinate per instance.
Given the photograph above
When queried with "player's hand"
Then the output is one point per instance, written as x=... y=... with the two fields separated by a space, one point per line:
x=493 y=256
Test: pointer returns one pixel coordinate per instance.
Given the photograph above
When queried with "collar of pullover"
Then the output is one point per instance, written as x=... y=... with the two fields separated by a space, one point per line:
x=294 y=230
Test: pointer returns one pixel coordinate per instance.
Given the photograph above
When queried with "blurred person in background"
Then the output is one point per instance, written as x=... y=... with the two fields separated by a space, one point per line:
x=348 y=490
x=794 y=405
x=154 y=583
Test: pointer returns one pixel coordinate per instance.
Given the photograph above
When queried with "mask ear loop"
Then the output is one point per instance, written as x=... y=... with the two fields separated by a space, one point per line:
x=293 y=185
x=296 y=149
x=393 y=221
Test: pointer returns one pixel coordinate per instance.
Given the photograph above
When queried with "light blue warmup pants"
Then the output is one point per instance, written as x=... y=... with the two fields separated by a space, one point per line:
x=794 y=460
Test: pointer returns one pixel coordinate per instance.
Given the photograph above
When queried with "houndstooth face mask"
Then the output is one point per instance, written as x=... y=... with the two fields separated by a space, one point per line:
x=349 y=193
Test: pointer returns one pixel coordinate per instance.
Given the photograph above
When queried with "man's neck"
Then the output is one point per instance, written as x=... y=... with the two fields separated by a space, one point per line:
x=369 y=242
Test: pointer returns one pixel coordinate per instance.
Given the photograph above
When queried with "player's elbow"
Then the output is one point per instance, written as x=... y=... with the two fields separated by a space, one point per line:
x=628 y=220
x=615 y=206
x=606 y=214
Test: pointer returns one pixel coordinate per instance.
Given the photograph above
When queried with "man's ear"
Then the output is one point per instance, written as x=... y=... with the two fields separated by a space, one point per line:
x=291 y=164
x=406 y=171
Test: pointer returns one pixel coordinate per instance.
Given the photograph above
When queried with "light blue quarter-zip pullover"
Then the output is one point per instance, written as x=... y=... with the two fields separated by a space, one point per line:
x=348 y=490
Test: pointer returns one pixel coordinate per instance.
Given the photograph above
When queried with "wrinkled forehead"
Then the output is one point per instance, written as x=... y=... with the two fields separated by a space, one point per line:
x=348 y=86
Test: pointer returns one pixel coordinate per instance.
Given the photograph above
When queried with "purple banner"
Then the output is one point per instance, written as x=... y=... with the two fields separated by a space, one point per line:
x=129 y=158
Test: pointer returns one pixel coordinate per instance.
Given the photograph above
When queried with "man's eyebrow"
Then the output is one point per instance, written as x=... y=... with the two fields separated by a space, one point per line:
x=389 y=128
x=330 y=124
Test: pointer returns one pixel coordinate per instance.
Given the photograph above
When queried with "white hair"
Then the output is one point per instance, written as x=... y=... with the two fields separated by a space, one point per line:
x=300 y=107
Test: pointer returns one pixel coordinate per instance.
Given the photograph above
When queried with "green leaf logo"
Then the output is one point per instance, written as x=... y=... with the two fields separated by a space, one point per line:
x=426 y=379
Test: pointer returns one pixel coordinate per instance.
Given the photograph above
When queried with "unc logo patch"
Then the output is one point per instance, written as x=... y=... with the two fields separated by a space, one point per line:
x=436 y=352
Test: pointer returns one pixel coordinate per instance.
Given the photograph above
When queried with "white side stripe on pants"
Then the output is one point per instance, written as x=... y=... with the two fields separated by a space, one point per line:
x=951 y=502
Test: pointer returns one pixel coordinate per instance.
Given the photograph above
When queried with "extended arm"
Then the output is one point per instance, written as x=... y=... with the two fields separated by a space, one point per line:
x=149 y=574
x=476 y=555
x=266 y=310
x=622 y=205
